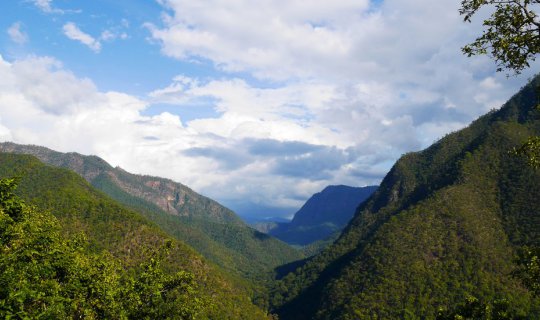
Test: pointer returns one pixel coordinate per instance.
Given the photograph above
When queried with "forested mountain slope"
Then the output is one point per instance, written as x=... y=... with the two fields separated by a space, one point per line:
x=445 y=224
x=213 y=230
x=324 y=214
x=128 y=236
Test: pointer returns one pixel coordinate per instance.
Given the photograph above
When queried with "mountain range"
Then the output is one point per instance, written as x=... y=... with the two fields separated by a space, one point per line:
x=213 y=230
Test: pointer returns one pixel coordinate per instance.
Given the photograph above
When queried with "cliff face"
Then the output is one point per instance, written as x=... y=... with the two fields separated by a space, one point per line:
x=171 y=197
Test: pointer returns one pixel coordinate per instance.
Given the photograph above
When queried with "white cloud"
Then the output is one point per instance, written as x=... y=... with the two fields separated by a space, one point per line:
x=369 y=67
x=46 y=6
x=107 y=35
x=74 y=33
x=283 y=40
x=34 y=109
x=110 y=35
x=43 y=82
x=16 y=34
x=5 y=133
x=273 y=39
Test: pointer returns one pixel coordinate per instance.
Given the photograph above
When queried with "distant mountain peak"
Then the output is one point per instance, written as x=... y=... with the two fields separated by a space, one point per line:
x=324 y=214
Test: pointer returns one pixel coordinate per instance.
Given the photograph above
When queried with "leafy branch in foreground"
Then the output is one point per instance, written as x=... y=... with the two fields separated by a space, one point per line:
x=512 y=34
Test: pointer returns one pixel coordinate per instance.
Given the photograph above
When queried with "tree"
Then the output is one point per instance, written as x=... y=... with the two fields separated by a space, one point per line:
x=512 y=34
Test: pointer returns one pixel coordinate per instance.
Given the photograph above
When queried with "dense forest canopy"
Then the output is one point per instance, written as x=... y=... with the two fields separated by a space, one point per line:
x=45 y=275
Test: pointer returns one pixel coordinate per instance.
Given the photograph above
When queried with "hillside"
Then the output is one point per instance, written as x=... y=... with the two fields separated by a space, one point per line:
x=111 y=227
x=445 y=224
x=213 y=230
x=324 y=214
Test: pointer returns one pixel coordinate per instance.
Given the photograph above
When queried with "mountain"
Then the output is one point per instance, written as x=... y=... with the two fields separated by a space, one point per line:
x=323 y=215
x=213 y=230
x=444 y=225
x=110 y=227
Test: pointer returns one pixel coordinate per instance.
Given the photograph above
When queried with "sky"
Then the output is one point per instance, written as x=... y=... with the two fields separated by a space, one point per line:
x=256 y=104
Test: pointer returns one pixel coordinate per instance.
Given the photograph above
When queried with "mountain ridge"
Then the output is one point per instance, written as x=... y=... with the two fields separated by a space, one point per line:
x=213 y=230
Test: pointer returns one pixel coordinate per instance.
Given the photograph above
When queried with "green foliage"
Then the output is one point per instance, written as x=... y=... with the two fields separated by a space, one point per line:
x=474 y=309
x=248 y=256
x=528 y=270
x=45 y=276
x=512 y=38
x=530 y=150
x=214 y=231
x=153 y=294
x=131 y=241
x=512 y=35
x=317 y=246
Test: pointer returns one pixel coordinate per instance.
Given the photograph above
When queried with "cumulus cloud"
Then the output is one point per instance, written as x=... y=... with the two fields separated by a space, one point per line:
x=345 y=87
x=16 y=34
x=371 y=72
x=53 y=90
x=257 y=37
x=74 y=33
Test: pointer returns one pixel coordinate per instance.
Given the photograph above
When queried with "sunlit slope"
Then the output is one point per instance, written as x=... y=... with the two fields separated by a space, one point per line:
x=125 y=233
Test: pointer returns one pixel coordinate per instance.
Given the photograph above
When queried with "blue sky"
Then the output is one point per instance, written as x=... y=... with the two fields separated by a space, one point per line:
x=255 y=104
